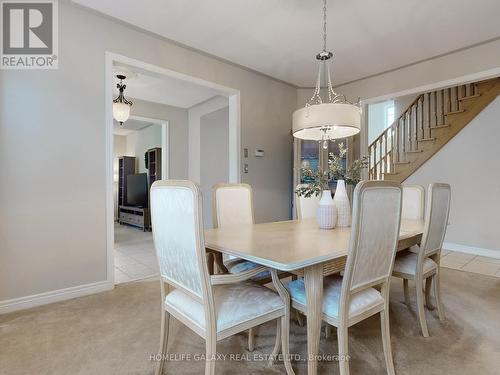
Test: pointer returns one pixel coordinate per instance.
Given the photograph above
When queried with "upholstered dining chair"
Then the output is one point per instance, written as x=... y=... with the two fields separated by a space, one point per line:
x=233 y=205
x=424 y=265
x=413 y=202
x=213 y=306
x=306 y=208
x=363 y=291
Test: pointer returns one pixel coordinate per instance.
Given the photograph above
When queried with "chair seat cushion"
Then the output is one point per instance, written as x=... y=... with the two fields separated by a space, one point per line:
x=240 y=265
x=234 y=304
x=406 y=263
x=332 y=286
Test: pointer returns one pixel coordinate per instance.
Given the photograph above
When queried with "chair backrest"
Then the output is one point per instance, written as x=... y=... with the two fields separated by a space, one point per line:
x=232 y=205
x=413 y=202
x=176 y=215
x=374 y=234
x=307 y=207
x=436 y=217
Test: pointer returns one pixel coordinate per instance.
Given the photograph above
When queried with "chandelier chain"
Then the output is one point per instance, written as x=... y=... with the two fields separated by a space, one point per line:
x=324 y=25
x=324 y=59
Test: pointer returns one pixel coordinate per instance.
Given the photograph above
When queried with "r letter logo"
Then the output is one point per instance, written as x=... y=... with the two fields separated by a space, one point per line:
x=29 y=34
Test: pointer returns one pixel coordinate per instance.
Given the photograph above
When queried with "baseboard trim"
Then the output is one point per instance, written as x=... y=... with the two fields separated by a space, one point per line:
x=27 y=302
x=472 y=250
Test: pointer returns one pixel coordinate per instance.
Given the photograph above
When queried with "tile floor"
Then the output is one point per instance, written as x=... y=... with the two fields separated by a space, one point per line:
x=134 y=254
x=135 y=257
x=470 y=263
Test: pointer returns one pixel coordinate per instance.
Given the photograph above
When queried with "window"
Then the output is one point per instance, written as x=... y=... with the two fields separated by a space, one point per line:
x=309 y=156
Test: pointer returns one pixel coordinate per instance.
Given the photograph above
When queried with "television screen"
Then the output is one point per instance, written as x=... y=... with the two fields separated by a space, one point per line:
x=137 y=190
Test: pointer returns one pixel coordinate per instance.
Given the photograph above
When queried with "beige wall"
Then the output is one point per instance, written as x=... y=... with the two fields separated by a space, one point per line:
x=470 y=61
x=214 y=151
x=52 y=150
x=469 y=163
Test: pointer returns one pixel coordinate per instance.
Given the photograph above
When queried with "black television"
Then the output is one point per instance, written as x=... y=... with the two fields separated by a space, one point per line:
x=137 y=190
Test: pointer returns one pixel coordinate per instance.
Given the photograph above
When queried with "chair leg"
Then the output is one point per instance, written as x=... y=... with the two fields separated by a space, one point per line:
x=406 y=291
x=420 y=306
x=328 y=330
x=437 y=295
x=211 y=351
x=165 y=317
x=277 y=343
x=386 y=341
x=428 y=298
x=210 y=263
x=251 y=340
x=285 y=343
x=343 y=340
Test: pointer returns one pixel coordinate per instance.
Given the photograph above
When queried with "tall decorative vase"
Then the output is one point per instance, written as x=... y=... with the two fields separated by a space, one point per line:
x=341 y=201
x=327 y=212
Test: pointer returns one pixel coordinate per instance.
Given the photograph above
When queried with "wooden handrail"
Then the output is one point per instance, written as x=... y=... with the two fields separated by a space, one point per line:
x=414 y=125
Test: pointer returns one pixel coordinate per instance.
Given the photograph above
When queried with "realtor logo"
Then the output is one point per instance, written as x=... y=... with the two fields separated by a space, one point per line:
x=29 y=34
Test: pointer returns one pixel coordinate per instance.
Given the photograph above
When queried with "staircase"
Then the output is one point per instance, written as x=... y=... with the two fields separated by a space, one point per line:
x=428 y=123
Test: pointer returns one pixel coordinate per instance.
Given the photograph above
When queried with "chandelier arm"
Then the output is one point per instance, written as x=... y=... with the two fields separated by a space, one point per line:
x=316 y=97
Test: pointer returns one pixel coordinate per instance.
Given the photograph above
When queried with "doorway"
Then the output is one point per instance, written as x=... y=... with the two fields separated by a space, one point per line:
x=135 y=145
x=184 y=116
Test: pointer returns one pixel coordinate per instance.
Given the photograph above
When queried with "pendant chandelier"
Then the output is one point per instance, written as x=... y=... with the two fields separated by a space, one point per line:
x=334 y=119
x=121 y=106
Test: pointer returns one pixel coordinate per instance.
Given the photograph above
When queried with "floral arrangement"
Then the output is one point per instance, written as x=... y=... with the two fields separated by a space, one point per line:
x=335 y=171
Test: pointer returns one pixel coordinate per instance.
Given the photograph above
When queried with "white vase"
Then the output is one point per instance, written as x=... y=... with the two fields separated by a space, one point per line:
x=327 y=212
x=341 y=201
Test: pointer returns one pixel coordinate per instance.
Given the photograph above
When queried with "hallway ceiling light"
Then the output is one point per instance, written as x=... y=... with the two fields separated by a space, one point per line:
x=335 y=119
x=121 y=106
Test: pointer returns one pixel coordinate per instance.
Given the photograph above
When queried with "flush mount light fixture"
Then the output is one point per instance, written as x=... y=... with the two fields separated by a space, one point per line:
x=121 y=106
x=322 y=121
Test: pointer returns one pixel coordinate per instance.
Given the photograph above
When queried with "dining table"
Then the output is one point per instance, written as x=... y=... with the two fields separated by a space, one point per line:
x=299 y=247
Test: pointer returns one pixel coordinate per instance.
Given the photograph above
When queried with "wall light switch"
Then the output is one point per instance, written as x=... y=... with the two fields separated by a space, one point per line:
x=245 y=152
x=245 y=168
x=259 y=153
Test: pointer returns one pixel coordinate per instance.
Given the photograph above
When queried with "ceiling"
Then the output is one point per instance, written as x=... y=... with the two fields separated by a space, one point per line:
x=129 y=126
x=161 y=89
x=281 y=37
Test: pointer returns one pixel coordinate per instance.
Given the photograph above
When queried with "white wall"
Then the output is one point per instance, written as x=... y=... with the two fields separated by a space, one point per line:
x=138 y=142
x=377 y=119
x=214 y=150
x=53 y=232
x=178 y=133
x=401 y=103
x=469 y=163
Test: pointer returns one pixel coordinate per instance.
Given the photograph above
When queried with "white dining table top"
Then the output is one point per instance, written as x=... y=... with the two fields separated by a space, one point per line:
x=290 y=245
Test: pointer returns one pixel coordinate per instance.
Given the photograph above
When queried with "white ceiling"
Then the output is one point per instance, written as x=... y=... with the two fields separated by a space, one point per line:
x=129 y=126
x=164 y=90
x=281 y=37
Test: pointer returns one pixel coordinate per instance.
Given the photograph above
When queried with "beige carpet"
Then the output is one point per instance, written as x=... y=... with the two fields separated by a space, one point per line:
x=115 y=333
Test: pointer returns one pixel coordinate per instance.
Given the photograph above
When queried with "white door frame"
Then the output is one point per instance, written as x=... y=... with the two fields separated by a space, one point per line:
x=233 y=96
